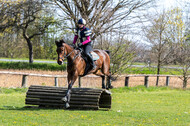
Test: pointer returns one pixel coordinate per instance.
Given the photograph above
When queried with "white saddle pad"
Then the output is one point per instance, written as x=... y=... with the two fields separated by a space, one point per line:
x=94 y=55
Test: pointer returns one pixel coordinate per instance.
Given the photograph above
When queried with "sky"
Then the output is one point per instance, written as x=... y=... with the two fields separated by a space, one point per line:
x=167 y=3
x=171 y=3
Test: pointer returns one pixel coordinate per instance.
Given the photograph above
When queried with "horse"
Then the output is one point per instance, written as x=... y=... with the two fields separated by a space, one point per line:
x=76 y=66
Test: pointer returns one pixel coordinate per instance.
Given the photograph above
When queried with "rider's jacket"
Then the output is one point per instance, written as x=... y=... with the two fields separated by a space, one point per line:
x=83 y=34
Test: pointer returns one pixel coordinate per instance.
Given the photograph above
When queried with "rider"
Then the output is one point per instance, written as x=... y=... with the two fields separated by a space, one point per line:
x=83 y=33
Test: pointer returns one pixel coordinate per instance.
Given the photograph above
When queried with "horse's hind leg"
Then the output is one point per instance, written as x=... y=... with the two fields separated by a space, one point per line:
x=103 y=82
x=108 y=82
x=106 y=71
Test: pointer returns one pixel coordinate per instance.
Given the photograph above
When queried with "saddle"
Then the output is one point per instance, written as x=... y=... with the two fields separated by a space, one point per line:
x=88 y=65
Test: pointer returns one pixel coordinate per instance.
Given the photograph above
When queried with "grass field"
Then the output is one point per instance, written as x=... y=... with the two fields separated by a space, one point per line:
x=130 y=106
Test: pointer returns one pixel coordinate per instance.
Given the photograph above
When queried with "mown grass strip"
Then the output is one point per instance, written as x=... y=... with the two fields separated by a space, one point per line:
x=32 y=66
x=151 y=70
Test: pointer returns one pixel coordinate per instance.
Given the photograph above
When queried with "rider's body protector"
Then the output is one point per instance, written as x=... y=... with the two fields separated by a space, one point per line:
x=83 y=34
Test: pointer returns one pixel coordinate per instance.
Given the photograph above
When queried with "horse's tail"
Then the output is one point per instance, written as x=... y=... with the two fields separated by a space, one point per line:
x=108 y=52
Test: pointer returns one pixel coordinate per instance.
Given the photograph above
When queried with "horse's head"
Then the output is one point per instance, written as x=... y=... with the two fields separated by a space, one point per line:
x=61 y=51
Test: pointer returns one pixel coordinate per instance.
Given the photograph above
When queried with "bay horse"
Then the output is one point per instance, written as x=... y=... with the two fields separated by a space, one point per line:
x=76 y=66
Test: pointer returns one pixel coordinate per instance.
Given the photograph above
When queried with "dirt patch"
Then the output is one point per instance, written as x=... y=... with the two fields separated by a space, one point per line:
x=8 y=80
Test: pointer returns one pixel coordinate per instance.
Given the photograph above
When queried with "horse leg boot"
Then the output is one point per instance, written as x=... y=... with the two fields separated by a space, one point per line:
x=91 y=61
x=66 y=99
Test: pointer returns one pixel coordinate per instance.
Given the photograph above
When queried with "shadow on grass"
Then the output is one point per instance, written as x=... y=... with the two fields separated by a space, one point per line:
x=36 y=108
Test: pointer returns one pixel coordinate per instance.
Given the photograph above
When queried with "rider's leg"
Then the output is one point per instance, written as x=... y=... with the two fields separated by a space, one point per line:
x=87 y=50
x=90 y=58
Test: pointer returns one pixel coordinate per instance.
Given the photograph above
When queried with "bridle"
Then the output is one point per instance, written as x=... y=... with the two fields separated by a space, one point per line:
x=66 y=56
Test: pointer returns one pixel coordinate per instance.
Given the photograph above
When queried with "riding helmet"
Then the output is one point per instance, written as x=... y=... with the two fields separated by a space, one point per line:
x=81 y=21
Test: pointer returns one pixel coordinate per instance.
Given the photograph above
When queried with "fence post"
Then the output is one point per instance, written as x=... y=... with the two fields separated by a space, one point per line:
x=167 y=80
x=56 y=81
x=79 y=79
x=146 y=81
x=157 y=80
x=127 y=81
x=24 y=80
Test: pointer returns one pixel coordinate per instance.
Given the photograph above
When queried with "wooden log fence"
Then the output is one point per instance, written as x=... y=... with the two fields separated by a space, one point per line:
x=146 y=78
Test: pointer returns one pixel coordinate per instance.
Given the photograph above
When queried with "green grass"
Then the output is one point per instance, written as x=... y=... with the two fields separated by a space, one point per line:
x=130 y=106
x=146 y=70
x=33 y=66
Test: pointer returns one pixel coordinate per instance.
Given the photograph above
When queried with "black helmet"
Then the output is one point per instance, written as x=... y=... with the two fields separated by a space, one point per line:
x=81 y=21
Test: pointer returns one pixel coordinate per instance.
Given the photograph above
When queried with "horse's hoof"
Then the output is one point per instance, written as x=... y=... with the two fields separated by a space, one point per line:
x=64 y=99
x=67 y=105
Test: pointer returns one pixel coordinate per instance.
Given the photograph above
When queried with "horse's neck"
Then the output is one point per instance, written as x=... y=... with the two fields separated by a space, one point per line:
x=69 y=49
x=72 y=53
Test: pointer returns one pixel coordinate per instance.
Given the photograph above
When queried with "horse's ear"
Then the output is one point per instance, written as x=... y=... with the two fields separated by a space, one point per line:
x=61 y=41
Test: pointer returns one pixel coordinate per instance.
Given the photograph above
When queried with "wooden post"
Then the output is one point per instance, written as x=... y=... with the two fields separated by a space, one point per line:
x=56 y=81
x=24 y=80
x=127 y=81
x=157 y=80
x=146 y=81
x=167 y=80
x=79 y=79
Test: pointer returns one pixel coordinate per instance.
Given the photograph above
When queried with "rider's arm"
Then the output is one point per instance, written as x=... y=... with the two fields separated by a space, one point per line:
x=87 y=35
x=75 y=39
x=87 y=40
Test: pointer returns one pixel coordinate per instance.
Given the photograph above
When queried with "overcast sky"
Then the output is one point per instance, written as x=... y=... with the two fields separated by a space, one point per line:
x=172 y=3
x=167 y=3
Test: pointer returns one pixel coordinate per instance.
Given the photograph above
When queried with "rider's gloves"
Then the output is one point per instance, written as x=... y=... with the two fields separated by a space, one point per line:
x=74 y=46
x=80 y=44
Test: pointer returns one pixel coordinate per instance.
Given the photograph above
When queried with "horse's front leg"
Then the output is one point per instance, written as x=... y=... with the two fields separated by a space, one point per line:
x=71 y=80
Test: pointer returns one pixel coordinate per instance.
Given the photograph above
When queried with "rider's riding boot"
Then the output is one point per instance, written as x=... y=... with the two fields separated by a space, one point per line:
x=91 y=60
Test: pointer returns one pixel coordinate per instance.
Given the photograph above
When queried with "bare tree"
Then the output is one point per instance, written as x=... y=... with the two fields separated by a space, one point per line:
x=101 y=15
x=162 y=48
x=182 y=34
x=122 y=51
x=183 y=56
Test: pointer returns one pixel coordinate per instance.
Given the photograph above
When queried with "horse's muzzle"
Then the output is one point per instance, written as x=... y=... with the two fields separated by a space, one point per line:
x=60 y=62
